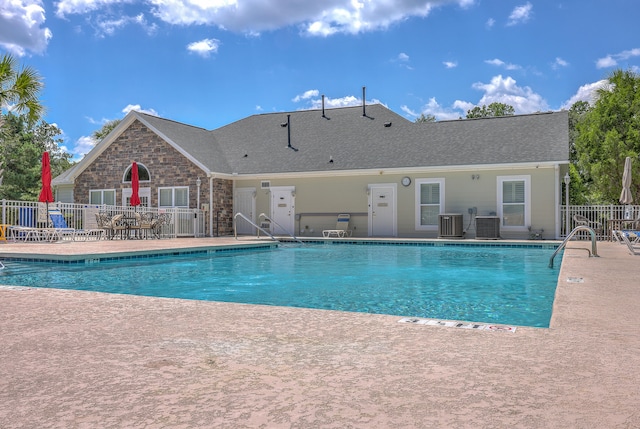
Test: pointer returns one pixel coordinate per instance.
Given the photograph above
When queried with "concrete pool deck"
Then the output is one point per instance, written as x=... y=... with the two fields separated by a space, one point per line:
x=73 y=359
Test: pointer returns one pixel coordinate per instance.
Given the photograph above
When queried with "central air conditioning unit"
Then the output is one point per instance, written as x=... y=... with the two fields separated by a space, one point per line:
x=450 y=225
x=488 y=227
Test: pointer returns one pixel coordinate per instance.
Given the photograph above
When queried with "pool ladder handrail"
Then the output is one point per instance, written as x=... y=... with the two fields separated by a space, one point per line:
x=235 y=229
x=262 y=215
x=594 y=248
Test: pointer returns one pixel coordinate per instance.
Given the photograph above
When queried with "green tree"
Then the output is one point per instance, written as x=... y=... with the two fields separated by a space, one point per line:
x=425 y=118
x=579 y=190
x=493 y=109
x=21 y=146
x=19 y=92
x=607 y=134
x=20 y=89
x=98 y=135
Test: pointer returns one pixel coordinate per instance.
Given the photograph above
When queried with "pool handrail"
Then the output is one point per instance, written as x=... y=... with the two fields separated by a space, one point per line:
x=594 y=248
x=235 y=230
x=262 y=215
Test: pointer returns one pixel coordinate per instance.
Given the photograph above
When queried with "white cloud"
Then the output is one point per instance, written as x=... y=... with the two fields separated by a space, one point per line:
x=21 y=26
x=306 y=95
x=204 y=47
x=585 y=93
x=403 y=57
x=490 y=23
x=71 y=7
x=432 y=107
x=506 y=90
x=254 y=16
x=520 y=14
x=138 y=108
x=82 y=146
x=499 y=63
x=450 y=64
x=109 y=26
x=314 y=100
x=613 y=59
x=558 y=63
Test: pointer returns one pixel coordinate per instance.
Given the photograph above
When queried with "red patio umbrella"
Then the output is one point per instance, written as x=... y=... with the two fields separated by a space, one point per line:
x=135 y=185
x=46 y=194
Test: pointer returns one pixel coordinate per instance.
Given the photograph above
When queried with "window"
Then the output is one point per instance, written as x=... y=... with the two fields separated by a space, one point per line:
x=173 y=197
x=514 y=201
x=143 y=174
x=102 y=196
x=429 y=202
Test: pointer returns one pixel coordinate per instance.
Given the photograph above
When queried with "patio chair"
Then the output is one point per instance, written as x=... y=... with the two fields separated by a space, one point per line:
x=342 y=227
x=60 y=229
x=26 y=229
x=596 y=226
x=162 y=220
x=146 y=223
x=633 y=248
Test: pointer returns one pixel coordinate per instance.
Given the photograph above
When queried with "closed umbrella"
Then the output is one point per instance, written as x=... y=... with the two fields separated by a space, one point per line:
x=626 y=197
x=46 y=194
x=135 y=185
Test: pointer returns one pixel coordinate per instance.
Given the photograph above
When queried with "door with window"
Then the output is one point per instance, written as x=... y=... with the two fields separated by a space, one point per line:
x=245 y=203
x=283 y=210
x=382 y=210
x=514 y=202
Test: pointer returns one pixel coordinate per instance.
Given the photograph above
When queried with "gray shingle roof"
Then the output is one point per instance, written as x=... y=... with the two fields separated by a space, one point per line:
x=259 y=144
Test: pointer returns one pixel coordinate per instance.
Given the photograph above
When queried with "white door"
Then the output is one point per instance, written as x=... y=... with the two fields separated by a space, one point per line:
x=382 y=210
x=245 y=203
x=282 y=210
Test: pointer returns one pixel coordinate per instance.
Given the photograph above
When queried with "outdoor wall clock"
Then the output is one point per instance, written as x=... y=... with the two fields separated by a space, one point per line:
x=406 y=181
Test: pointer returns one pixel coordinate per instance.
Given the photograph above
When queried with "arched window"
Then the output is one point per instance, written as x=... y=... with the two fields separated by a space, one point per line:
x=143 y=174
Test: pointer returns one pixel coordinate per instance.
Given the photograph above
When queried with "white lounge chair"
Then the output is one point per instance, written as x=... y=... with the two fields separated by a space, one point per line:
x=633 y=248
x=342 y=227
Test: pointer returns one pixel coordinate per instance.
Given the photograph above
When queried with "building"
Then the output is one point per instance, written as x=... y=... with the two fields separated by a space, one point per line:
x=301 y=169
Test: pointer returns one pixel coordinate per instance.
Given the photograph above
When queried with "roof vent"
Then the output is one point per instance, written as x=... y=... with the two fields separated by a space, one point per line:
x=387 y=124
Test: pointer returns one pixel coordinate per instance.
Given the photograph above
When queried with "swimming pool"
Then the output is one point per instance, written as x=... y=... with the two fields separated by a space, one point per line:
x=492 y=284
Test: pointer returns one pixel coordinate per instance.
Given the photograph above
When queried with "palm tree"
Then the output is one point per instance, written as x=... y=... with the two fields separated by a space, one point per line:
x=19 y=89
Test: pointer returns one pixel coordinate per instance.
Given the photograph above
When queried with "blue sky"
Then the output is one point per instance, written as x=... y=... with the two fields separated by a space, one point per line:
x=212 y=62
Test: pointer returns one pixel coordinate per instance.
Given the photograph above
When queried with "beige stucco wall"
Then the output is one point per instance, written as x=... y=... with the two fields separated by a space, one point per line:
x=348 y=194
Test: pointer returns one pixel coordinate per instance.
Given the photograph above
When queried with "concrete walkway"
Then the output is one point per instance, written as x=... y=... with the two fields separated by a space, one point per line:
x=71 y=359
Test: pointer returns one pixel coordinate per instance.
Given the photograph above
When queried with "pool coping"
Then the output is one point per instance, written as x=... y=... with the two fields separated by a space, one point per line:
x=90 y=252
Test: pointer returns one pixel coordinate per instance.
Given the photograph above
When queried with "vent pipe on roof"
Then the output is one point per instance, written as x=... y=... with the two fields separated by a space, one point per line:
x=323 y=106
x=289 y=134
x=364 y=101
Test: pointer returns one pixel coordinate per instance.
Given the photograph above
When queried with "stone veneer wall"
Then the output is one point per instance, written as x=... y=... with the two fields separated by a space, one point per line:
x=223 y=206
x=167 y=168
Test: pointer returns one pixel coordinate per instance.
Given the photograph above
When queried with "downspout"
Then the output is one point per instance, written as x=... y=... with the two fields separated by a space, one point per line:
x=557 y=196
x=211 y=205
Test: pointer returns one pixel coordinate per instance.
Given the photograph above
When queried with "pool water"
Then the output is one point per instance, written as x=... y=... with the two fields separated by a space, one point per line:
x=503 y=285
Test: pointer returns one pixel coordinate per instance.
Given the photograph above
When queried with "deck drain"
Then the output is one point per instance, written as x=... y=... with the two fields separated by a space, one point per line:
x=575 y=280
x=453 y=324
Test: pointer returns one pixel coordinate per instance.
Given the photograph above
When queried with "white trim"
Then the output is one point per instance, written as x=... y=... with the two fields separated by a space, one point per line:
x=126 y=170
x=527 y=201
x=393 y=171
x=418 y=183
